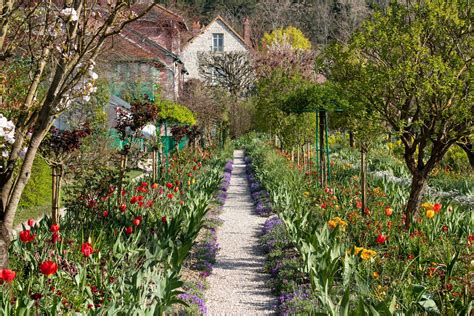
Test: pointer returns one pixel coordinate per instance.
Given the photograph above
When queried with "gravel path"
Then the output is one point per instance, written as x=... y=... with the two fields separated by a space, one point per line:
x=237 y=283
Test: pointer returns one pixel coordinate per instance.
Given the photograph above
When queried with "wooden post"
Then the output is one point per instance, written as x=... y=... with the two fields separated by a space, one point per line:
x=363 y=177
x=351 y=139
x=57 y=174
x=153 y=159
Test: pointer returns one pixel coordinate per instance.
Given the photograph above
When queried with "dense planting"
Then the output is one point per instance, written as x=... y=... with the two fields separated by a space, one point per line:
x=331 y=256
x=105 y=257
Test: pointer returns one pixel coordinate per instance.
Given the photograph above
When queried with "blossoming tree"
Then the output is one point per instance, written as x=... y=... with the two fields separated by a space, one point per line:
x=53 y=48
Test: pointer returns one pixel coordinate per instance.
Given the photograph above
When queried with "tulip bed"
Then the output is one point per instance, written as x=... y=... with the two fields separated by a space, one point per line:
x=327 y=255
x=113 y=258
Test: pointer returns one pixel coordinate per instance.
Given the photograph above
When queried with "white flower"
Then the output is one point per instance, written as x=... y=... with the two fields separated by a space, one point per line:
x=7 y=130
x=70 y=14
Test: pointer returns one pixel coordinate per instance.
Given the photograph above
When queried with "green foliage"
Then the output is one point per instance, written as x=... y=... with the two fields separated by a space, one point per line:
x=172 y=112
x=37 y=192
x=287 y=36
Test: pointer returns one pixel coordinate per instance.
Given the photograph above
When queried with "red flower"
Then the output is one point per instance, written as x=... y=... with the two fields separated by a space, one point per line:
x=154 y=186
x=323 y=205
x=381 y=239
x=176 y=189
x=87 y=249
x=359 y=204
x=54 y=228
x=140 y=198
x=123 y=192
x=437 y=207
x=123 y=207
x=190 y=175
x=55 y=237
x=470 y=239
x=136 y=222
x=31 y=222
x=7 y=275
x=170 y=195
x=181 y=202
x=48 y=268
x=91 y=203
x=134 y=199
x=144 y=184
x=149 y=203
x=388 y=211
x=129 y=230
x=194 y=168
x=105 y=214
x=163 y=219
x=26 y=236
x=169 y=185
x=140 y=204
x=445 y=228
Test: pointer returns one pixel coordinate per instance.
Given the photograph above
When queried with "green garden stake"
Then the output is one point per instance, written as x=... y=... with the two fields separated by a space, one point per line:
x=327 y=147
x=316 y=145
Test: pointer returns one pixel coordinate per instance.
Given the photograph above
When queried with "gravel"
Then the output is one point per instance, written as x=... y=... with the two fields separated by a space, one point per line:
x=237 y=283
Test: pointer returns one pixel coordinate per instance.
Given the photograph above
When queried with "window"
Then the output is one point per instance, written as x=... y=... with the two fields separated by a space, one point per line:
x=217 y=42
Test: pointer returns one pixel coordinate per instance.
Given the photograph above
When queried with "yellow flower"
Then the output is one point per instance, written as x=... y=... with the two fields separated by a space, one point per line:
x=375 y=275
x=427 y=206
x=430 y=213
x=306 y=194
x=357 y=250
x=367 y=254
x=332 y=224
x=193 y=181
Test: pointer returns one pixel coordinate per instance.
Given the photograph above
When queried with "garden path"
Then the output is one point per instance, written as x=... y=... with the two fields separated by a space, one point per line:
x=237 y=283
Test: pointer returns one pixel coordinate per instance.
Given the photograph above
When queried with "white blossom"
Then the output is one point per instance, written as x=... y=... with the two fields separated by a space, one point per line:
x=7 y=130
x=70 y=14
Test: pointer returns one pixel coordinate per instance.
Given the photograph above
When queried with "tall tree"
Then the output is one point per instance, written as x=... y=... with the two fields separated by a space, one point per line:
x=53 y=48
x=413 y=66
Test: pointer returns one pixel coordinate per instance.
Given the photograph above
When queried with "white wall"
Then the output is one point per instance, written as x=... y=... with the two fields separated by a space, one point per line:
x=203 y=43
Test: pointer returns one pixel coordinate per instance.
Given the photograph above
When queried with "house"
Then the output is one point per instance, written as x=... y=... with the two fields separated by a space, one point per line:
x=144 y=57
x=217 y=37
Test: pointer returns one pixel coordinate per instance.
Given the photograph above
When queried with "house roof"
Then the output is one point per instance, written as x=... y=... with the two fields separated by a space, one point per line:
x=227 y=25
x=157 y=12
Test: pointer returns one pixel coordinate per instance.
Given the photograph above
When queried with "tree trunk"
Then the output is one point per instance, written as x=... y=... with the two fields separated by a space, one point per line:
x=6 y=222
x=417 y=188
x=468 y=149
x=363 y=177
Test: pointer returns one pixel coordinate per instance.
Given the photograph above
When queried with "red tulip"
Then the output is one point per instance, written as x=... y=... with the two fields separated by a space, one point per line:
x=170 y=195
x=194 y=168
x=123 y=192
x=26 y=236
x=105 y=214
x=437 y=207
x=388 y=211
x=381 y=239
x=54 y=228
x=129 y=230
x=169 y=185
x=359 y=204
x=48 y=268
x=134 y=199
x=31 y=222
x=149 y=203
x=154 y=186
x=176 y=189
x=91 y=203
x=123 y=207
x=445 y=228
x=163 y=219
x=190 y=175
x=87 y=249
x=140 y=204
x=181 y=202
x=55 y=237
x=136 y=222
x=7 y=275
x=144 y=184
x=323 y=205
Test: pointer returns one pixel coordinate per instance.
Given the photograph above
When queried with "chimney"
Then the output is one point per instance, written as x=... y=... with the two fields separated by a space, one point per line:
x=247 y=32
x=196 y=27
